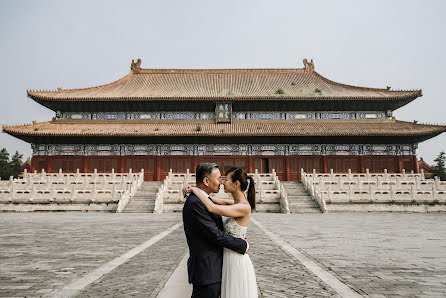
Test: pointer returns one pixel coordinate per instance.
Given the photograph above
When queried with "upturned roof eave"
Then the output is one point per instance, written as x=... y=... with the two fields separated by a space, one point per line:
x=349 y=132
x=216 y=98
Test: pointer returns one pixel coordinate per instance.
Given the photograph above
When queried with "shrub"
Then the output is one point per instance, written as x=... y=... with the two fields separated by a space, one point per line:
x=280 y=91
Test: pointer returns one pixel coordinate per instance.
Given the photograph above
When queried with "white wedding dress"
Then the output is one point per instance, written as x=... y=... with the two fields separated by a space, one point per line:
x=238 y=275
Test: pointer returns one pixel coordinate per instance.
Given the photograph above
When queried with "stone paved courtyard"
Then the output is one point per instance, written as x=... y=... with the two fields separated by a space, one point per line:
x=376 y=254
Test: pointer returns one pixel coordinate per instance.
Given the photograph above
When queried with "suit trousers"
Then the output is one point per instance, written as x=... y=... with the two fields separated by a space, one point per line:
x=207 y=291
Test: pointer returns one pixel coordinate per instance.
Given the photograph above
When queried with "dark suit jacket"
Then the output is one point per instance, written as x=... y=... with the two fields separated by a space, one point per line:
x=206 y=239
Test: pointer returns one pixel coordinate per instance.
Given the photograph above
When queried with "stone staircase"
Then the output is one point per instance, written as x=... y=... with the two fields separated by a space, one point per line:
x=299 y=200
x=144 y=199
x=173 y=200
x=267 y=192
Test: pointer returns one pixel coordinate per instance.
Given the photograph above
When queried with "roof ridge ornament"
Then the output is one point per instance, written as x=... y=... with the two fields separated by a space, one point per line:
x=308 y=66
x=136 y=66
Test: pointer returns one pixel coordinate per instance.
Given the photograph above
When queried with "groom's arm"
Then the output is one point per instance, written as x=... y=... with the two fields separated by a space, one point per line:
x=209 y=228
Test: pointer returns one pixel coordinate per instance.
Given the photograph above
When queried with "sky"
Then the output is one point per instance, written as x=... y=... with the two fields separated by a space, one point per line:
x=77 y=44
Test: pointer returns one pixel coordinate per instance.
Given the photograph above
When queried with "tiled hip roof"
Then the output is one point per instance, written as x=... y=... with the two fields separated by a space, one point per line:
x=229 y=84
x=237 y=128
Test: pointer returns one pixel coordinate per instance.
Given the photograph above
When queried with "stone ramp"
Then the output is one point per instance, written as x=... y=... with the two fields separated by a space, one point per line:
x=144 y=199
x=299 y=200
x=177 y=285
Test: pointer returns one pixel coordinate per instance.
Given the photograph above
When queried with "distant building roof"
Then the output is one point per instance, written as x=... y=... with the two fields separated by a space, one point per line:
x=126 y=128
x=230 y=84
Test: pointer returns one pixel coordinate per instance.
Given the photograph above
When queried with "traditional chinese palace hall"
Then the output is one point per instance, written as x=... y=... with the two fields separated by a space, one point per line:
x=282 y=119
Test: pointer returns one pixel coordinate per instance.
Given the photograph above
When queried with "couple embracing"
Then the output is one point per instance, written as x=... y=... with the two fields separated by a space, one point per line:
x=219 y=263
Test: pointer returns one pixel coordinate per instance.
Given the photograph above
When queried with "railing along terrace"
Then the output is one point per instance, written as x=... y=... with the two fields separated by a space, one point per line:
x=70 y=187
x=374 y=188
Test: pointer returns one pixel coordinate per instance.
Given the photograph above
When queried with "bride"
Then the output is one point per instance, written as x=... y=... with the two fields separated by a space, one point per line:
x=238 y=276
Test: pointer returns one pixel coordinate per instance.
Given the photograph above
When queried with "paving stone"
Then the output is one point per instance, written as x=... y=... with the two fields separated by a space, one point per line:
x=140 y=276
x=47 y=245
x=388 y=254
x=379 y=254
x=278 y=275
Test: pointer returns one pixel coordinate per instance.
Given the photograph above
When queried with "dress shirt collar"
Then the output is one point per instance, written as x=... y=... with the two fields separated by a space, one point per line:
x=203 y=192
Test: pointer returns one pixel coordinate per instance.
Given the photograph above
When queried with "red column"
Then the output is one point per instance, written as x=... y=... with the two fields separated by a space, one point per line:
x=395 y=164
x=324 y=166
x=287 y=174
x=84 y=164
x=158 y=168
x=194 y=163
x=122 y=161
x=49 y=164
x=33 y=163
x=416 y=166
x=399 y=164
x=250 y=164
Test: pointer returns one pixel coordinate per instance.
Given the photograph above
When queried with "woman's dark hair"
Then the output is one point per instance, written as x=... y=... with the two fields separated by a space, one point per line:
x=245 y=180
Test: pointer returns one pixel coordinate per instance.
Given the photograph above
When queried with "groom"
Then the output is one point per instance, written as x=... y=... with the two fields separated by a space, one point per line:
x=206 y=237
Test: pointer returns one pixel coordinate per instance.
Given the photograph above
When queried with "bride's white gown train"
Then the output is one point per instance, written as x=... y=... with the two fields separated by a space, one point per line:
x=238 y=275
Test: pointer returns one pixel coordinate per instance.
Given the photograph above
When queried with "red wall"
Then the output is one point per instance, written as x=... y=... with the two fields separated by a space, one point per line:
x=287 y=167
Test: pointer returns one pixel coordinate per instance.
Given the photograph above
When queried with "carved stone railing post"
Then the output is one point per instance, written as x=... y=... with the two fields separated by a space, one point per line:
x=284 y=206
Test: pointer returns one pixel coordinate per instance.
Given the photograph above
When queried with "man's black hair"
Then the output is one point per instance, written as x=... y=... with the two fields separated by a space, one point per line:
x=203 y=170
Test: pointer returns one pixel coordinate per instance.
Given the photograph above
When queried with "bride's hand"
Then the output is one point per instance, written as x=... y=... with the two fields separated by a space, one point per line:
x=187 y=190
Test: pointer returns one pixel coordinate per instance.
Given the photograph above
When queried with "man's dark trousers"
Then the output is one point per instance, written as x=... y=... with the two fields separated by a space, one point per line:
x=207 y=291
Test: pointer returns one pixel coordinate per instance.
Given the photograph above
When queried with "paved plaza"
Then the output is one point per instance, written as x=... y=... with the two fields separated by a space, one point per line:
x=295 y=255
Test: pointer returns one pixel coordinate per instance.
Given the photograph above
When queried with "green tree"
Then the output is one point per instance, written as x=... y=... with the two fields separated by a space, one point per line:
x=439 y=168
x=15 y=165
x=4 y=164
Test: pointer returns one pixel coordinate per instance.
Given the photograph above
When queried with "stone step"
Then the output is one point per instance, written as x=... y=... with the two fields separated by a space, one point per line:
x=300 y=199
x=268 y=208
x=140 y=208
x=144 y=199
x=292 y=185
x=150 y=194
x=297 y=194
x=291 y=191
x=268 y=200
x=140 y=203
x=148 y=209
x=149 y=188
x=168 y=208
x=303 y=205
x=173 y=202
x=305 y=210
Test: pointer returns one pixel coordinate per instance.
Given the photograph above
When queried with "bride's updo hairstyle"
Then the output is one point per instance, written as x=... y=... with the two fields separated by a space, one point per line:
x=246 y=182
